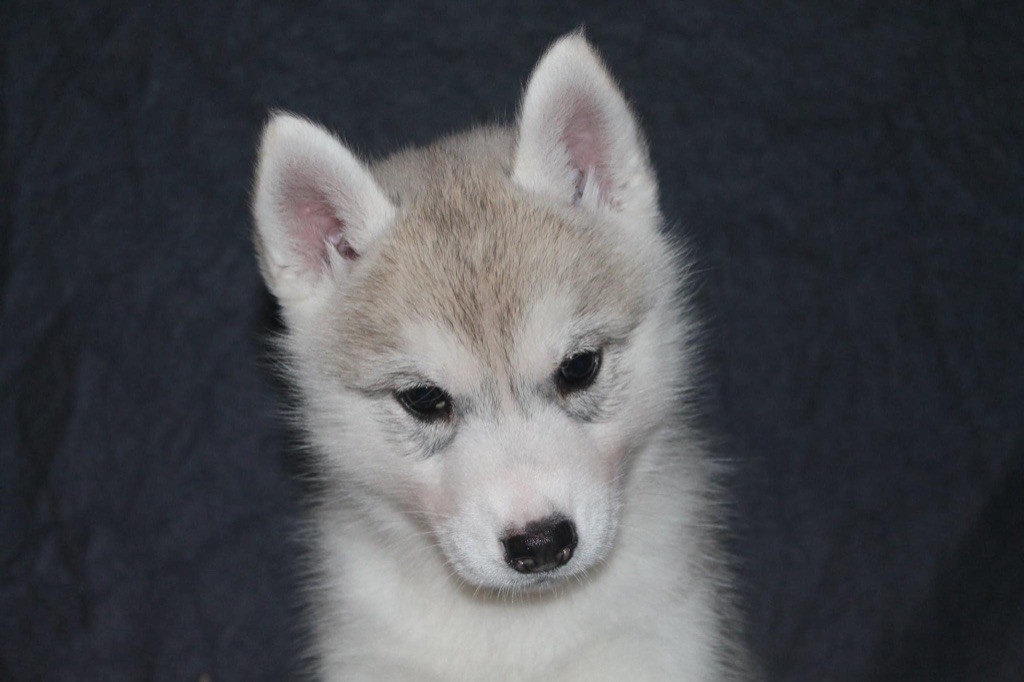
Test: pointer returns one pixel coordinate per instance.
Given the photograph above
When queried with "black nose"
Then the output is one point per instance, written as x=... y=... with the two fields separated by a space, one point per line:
x=544 y=546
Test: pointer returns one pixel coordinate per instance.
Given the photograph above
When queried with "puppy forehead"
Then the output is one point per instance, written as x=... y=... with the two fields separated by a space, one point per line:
x=474 y=267
x=446 y=355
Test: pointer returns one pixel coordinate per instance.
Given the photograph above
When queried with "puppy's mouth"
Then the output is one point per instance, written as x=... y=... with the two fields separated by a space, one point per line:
x=534 y=585
x=546 y=581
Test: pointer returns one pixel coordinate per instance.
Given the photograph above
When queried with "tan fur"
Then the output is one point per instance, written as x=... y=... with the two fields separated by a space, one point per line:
x=471 y=250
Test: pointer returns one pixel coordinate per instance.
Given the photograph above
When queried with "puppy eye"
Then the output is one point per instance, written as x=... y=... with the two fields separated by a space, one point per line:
x=578 y=371
x=426 y=403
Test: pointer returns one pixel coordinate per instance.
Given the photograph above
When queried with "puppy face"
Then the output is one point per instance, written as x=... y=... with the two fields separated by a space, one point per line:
x=477 y=328
x=501 y=362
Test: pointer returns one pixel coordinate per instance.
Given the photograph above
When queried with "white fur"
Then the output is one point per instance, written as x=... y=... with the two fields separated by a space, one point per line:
x=571 y=96
x=300 y=158
x=481 y=282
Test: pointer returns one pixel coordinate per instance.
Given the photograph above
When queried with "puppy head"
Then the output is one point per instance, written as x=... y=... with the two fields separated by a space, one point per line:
x=483 y=331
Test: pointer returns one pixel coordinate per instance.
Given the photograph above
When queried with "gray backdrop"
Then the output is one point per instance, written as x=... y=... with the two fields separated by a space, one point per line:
x=850 y=175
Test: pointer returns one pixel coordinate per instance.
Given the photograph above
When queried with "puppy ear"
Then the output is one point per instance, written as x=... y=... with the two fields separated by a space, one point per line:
x=579 y=142
x=317 y=208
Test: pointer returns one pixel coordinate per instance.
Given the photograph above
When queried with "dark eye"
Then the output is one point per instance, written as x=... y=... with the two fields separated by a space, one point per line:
x=426 y=403
x=578 y=371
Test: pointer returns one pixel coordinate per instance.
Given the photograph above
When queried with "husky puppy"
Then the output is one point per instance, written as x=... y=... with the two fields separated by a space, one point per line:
x=492 y=355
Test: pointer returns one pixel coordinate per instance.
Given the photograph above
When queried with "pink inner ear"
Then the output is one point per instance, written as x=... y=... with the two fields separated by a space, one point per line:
x=318 y=229
x=586 y=140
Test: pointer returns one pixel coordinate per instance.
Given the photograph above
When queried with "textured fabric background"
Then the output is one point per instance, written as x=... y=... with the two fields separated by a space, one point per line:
x=851 y=177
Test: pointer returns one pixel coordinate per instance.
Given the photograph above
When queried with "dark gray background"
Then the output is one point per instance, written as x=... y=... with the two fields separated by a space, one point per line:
x=850 y=174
